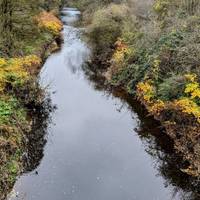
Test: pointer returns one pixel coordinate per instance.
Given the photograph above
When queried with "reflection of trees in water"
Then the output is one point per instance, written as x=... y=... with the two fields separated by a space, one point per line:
x=168 y=163
x=94 y=77
x=155 y=141
x=36 y=139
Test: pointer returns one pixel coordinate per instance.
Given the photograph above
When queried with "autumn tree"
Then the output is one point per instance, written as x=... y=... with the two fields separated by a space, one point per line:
x=18 y=24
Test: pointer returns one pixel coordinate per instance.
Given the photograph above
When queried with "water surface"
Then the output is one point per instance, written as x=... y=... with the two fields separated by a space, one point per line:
x=93 y=150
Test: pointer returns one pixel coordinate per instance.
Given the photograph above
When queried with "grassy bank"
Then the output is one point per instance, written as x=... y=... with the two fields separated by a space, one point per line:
x=20 y=93
x=151 y=49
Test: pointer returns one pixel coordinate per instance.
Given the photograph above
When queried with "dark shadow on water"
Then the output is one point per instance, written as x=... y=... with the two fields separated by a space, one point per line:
x=37 y=138
x=155 y=141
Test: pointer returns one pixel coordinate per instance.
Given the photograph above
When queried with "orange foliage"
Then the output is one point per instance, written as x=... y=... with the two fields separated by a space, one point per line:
x=50 y=22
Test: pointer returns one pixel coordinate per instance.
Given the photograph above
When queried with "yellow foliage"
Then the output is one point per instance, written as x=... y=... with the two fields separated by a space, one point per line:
x=157 y=107
x=121 y=51
x=156 y=63
x=49 y=21
x=160 y=6
x=188 y=106
x=195 y=94
x=156 y=68
x=31 y=60
x=191 y=77
x=192 y=88
x=17 y=68
x=146 y=91
x=2 y=61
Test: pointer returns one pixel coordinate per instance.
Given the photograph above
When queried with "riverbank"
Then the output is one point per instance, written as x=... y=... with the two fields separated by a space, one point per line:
x=96 y=139
x=92 y=140
x=149 y=49
x=22 y=97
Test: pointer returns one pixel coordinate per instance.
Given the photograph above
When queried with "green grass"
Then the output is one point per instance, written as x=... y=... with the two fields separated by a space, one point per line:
x=34 y=45
x=10 y=110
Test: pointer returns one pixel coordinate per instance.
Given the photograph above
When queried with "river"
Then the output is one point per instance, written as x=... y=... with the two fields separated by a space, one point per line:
x=93 y=150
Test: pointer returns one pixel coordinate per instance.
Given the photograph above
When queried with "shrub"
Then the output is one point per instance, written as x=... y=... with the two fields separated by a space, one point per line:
x=10 y=111
x=106 y=27
x=48 y=21
x=188 y=106
x=146 y=91
x=15 y=71
x=171 y=88
x=192 y=88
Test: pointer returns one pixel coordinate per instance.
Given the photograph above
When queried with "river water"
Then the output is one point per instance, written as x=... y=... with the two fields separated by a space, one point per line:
x=93 y=149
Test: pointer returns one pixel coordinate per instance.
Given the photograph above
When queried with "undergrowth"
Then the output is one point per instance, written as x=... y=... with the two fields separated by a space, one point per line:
x=20 y=94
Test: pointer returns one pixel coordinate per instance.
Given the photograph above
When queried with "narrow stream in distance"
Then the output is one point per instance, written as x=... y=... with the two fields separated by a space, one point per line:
x=93 y=151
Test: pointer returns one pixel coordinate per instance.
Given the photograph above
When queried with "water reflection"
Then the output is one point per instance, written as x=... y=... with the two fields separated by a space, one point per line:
x=94 y=153
x=156 y=143
x=36 y=139
x=76 y=52
x=167 y=162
